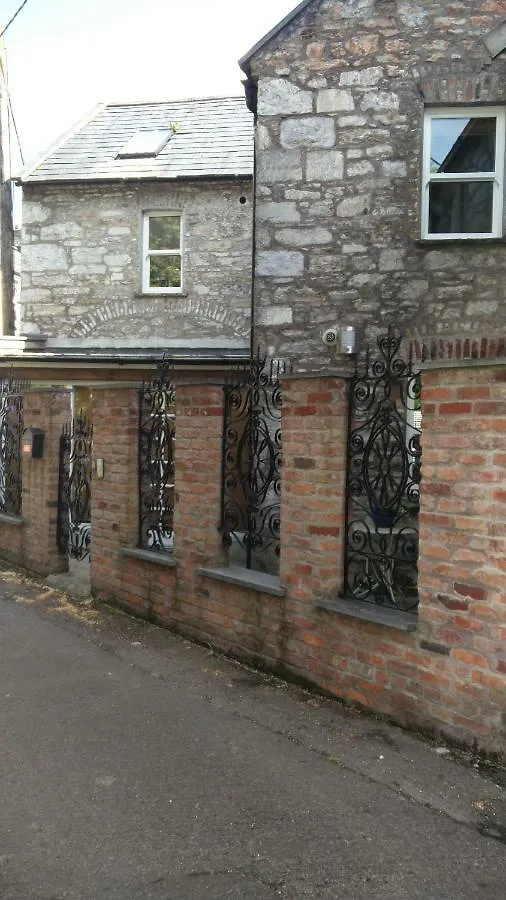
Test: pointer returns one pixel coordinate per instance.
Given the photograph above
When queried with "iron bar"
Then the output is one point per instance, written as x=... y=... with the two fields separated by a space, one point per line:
x=11 y=430
x=157 y=435
x=74 y=492
x=251 y=465
x=383 y=478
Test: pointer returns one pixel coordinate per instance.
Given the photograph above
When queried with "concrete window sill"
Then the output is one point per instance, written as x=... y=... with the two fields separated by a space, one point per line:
x=159 y=559
x=256 y=581
x=11 y=520
x=166 y=295
x=367 y=612
x=439 y=243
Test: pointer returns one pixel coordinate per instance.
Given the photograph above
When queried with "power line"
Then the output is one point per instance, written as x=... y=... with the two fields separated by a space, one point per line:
x=15 y=126
x=10 y=115
x=16 y=14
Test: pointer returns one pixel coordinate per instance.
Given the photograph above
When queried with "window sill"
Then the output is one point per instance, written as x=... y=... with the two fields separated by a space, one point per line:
x=11 y=520
x=163 y=294
x=367 y=612
x=160 y=559
x=457 y=242
x=257 y=581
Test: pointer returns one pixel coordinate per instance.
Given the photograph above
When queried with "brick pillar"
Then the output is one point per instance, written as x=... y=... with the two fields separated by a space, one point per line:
x=115 y=497
x=46 y=410
x=199 y=429
x=462 y=564
x=314 y=433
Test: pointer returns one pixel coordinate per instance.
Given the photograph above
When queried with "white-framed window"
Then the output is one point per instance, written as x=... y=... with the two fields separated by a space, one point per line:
x=463 y=173
x=162 y=252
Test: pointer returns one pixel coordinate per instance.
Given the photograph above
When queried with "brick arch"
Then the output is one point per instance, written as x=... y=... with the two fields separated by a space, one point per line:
x=167 y=317
x=455 y=82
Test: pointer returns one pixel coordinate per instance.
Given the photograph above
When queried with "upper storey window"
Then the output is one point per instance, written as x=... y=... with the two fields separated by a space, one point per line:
x=463 y=173
x=162 y=252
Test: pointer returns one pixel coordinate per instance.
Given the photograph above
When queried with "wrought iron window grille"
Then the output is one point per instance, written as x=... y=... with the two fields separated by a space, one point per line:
x=251 y=464
x=74 y=490
x=383 y=478
x=157 y=437
x=11 y=430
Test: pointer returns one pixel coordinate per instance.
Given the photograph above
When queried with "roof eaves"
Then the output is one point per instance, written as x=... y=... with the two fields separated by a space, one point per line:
x=25 y=173
x=154 y=177
x=288 y=19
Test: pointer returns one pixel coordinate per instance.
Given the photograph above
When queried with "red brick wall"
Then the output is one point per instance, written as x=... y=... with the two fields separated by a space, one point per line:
x=448 y=676
x=463 y=542
x=48 y=411
x=134 y=583
x=11 y=542
x=148 y=588
x=314 y=430
x=197 y=539
x=33 y=544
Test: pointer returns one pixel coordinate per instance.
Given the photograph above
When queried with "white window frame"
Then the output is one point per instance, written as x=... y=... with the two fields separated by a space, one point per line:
x=496 y=178
x=147 y=252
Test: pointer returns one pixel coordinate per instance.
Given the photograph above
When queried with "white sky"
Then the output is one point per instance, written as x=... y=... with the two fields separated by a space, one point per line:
x=65 y=56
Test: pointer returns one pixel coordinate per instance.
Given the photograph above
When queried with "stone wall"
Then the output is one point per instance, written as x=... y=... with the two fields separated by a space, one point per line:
x=341 y=97
x=81 y=265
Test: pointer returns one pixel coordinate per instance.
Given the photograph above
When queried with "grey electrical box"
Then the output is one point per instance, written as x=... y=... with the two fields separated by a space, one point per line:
x=33 y=443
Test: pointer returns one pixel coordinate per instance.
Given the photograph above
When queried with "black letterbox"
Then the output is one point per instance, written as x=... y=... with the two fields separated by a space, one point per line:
x=33 y=443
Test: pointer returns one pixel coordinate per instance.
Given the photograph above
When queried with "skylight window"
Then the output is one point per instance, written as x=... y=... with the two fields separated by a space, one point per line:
x=145 y=143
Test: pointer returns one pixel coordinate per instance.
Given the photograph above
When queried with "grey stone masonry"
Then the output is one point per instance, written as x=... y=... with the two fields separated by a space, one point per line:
x=81 y=265
x=342 y=90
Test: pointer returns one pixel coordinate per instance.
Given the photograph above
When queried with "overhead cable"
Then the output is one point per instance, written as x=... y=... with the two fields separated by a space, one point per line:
x=11 y=111
x=16 y=14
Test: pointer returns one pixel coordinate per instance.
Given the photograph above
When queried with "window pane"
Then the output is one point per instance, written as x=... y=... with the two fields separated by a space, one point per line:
x=463 y=207
x=164 y=232
x=462 y=145
x=165 y=271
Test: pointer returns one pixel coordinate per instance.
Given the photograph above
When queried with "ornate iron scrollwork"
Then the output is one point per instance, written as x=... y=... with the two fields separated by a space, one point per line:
x=74 y=499
x=11 y=429
x=157 y=435
x=383 y=484
x=251 y=483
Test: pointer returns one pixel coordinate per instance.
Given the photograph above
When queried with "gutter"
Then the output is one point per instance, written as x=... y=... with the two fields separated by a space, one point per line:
x=114 y=180
x=46 y=360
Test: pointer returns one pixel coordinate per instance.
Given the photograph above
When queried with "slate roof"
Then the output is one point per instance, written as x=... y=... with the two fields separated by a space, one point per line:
x=213 y=138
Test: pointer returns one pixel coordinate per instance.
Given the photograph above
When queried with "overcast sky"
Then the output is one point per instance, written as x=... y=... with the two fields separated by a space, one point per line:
x=65 y=56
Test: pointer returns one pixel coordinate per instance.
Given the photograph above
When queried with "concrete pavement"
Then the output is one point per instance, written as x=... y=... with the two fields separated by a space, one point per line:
x=137 y=766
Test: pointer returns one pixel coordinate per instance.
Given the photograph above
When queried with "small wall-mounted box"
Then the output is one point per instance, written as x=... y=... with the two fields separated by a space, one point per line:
x=342 y=340
x=33 y=443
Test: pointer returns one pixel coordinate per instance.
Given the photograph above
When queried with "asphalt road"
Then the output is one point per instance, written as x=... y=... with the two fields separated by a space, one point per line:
x=137 y=766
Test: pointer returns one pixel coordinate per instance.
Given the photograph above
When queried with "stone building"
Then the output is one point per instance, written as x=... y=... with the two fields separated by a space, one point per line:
x=379 y=171
x=136 y=246
x=378 y=201
x=137 y=234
